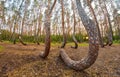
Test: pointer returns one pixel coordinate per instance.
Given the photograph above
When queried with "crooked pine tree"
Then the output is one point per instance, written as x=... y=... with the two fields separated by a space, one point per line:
x=47 y=31
x=93 y=43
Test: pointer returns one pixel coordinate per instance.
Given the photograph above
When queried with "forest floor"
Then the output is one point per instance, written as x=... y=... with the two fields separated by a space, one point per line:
x=24 y=61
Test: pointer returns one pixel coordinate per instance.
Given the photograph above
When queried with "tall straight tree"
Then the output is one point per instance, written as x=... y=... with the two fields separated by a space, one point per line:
x=48 y=13
x=93 y=43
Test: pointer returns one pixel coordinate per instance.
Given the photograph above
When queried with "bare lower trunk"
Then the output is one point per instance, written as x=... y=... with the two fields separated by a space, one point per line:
x=64 y=42
x=13 y=36
x=74 y=39
x=47 y=38
x=47 y=30
x=118 y=31
x=110 y=32
x=76 y=43
x=14 y=39
x=93 y=43
x=21 y=41
x=63 y=27
x=96 y=23
x=0 y=34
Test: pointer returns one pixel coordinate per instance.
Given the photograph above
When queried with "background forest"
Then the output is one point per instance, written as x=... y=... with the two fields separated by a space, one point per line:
x=59 y=38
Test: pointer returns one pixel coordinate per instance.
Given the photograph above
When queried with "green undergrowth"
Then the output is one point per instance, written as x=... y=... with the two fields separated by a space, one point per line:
x=1 y=48
x=69 y=44
x=116 y=41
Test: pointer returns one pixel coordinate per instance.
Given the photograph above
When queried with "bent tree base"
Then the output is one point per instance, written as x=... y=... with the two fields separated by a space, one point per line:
x=75 y=41
x=93 y=43
x=21 y=41
x=47 y=31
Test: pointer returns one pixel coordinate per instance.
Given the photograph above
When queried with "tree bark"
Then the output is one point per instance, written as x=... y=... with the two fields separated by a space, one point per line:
x=93 y=43
x=63 y=27
x=47 y=31
x=38 y=32
x=73 y=37
x=110 y=32
x=96 y=23
x=21 y=34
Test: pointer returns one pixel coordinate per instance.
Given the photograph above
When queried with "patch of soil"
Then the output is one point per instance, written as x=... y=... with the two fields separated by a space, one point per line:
x=24 y=61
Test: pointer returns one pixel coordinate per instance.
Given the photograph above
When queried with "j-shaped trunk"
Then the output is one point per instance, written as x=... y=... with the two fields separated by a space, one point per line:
x=47 y=39
x=47 y=30
x=93 y=43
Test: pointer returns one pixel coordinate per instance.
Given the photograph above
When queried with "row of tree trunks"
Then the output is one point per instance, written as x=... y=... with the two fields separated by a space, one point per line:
x=17 y=16
x=93 y=43
x=47 y=30
x=109 y=31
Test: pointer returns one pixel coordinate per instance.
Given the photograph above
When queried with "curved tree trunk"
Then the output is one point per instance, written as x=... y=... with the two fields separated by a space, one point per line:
x=110 y=32
x=47 y=31
x=13 y=34
x=47 y=37
x=93 y=43
x=38 y=31
x=96 y=23
x=74 y=39
x=20 y=36
x=21 y=41
x=108 y=23
x=37 y=37
x=17 y=16
x=63 y=27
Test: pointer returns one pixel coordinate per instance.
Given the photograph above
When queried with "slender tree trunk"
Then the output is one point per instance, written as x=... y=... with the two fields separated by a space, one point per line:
x=21 y=34
x=110 y=32
x=47 y=30
x=93 y=43
x=73 y=37
x=38 y=31
x=3 y=17
x=13 y=34
x=96 y=23
x=0 y=34
x=106 y=29
x=63 y=27
x=118 y=25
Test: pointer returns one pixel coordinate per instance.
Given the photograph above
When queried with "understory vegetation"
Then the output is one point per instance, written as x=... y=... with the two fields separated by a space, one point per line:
x=6 y=36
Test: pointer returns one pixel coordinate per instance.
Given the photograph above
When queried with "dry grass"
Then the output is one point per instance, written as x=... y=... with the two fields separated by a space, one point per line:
x=24 y=61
